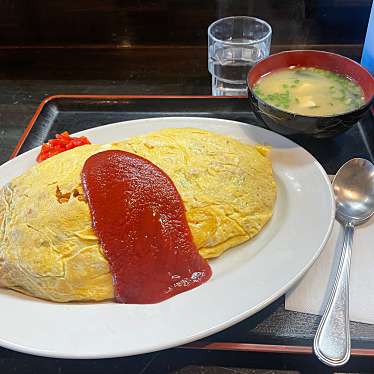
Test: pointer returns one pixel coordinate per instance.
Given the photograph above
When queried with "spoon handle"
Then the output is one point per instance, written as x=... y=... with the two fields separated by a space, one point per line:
x=332 y=343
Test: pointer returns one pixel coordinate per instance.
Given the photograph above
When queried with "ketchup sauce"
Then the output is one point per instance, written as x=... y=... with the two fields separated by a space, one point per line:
x=139 y=218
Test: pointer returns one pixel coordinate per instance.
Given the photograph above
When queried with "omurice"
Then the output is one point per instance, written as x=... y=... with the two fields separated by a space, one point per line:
x=49 y=249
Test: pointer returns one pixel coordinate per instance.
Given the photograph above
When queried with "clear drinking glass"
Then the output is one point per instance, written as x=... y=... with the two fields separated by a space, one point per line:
x=235 y=44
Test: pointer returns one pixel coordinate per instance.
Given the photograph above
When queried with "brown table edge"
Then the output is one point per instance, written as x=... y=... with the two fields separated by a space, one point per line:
x=48 y=99
x=265 y=348
x=223 y=346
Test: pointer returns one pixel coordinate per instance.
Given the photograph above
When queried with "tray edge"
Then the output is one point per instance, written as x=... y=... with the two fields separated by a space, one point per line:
x=51 y=98
x=266 y=348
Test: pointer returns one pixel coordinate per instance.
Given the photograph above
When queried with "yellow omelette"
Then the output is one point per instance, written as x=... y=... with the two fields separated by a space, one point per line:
x=48 y=248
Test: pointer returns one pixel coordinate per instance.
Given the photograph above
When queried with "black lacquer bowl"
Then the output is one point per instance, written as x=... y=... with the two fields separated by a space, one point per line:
x=287 y=123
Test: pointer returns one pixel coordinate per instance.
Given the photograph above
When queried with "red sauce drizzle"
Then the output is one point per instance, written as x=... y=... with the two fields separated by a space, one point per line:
x=139 y=218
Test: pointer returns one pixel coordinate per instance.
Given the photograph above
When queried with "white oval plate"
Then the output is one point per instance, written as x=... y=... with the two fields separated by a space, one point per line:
x=245 y=279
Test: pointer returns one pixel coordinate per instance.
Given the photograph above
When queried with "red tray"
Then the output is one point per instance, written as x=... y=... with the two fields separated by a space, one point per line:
x=273 y=329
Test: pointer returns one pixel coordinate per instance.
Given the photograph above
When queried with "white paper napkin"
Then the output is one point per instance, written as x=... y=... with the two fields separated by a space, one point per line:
x=311 y=294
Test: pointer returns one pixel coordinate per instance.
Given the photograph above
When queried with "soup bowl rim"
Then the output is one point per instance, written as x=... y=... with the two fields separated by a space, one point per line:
x=368 y=101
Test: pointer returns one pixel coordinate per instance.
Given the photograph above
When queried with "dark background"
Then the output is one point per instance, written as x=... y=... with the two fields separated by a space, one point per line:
x=111 y=39
x=182 y=22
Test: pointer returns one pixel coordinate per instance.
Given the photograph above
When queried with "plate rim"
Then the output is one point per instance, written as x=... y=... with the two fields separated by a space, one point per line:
x=220 y=327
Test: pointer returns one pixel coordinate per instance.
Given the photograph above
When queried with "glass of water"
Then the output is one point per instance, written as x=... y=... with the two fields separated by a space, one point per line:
x=235 y=44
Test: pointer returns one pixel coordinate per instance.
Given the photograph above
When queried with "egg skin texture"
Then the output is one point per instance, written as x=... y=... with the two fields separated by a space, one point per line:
x=48 y=248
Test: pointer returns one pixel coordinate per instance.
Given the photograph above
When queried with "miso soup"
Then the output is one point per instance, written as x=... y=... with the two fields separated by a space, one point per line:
x=309 y=91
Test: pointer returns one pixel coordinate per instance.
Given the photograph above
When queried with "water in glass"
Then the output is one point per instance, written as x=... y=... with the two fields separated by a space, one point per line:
x=229 y=66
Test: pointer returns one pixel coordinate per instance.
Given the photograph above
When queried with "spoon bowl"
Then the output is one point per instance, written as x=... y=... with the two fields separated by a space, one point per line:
x=354 y=191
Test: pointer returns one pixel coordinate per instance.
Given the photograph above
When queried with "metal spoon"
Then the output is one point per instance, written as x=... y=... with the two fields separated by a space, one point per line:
x=354 y=195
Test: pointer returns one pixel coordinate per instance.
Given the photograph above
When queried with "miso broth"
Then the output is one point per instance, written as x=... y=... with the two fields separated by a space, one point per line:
x=309 y=91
